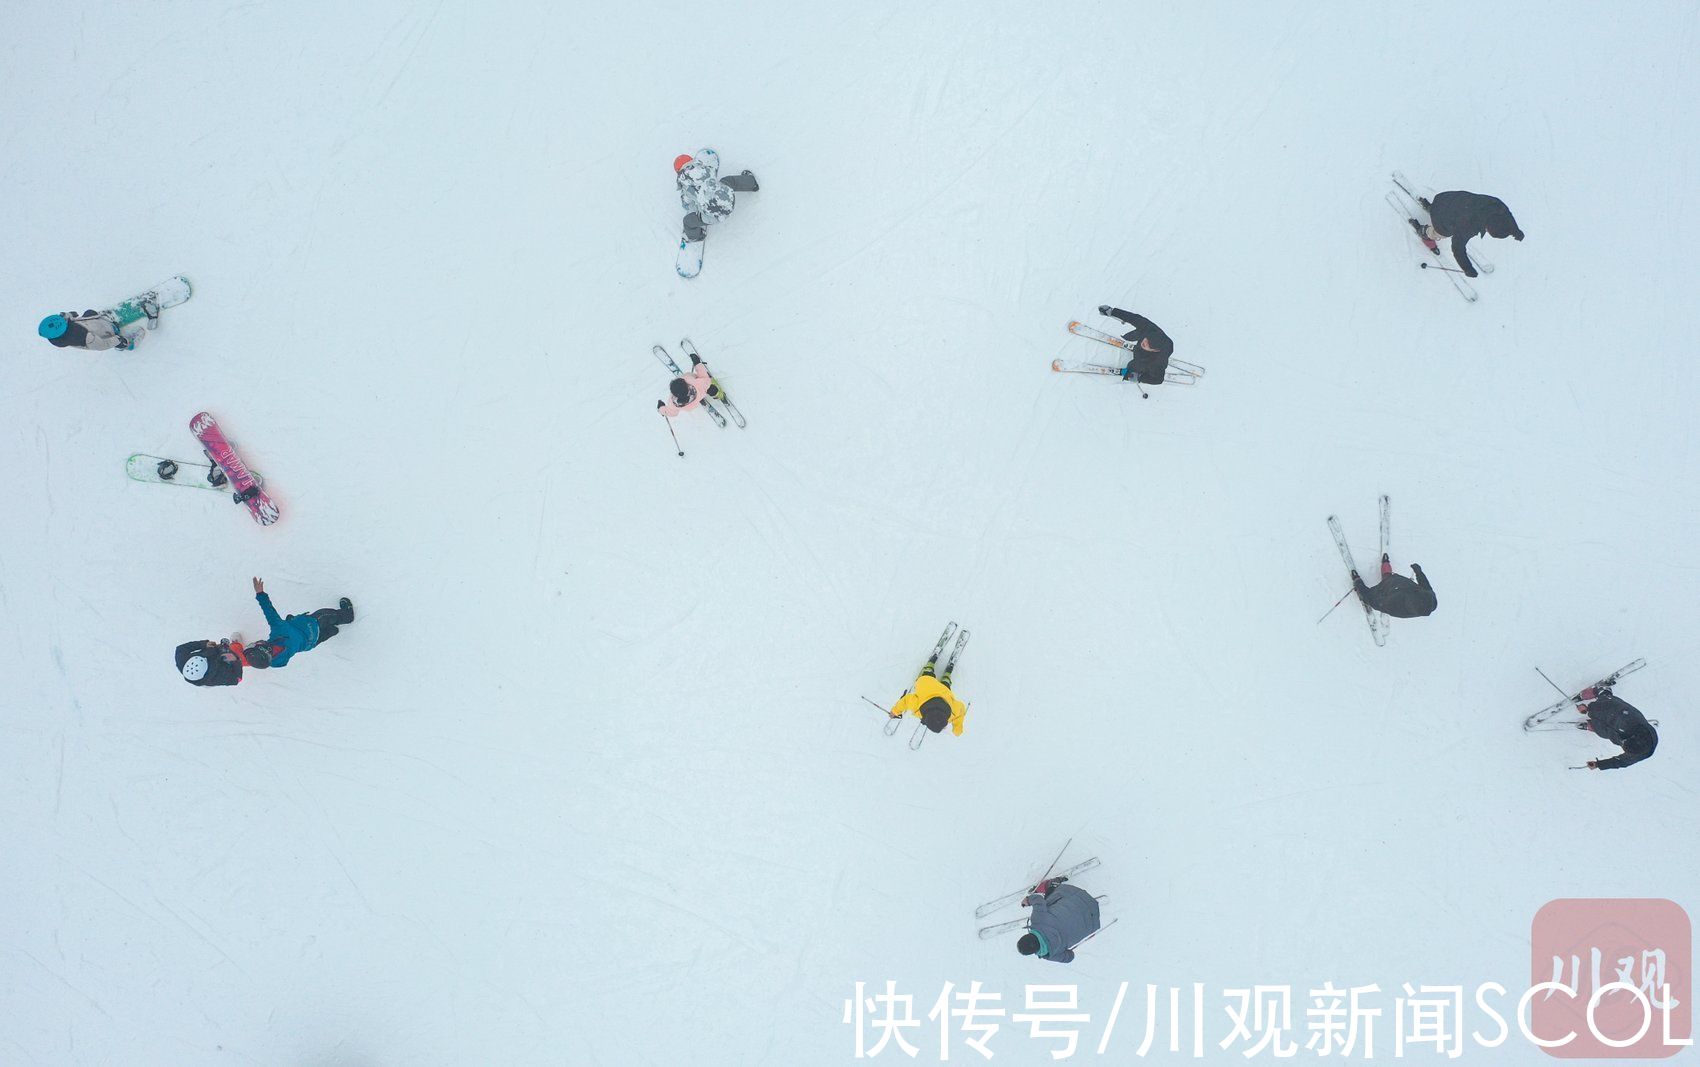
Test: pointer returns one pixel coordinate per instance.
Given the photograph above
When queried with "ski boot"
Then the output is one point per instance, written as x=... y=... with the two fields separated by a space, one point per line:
x=1422 y=235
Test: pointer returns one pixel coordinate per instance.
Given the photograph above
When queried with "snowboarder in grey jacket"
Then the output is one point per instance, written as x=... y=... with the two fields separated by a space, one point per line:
x=1620 y=722
x=1063 y=916
x=707 y=197
x=1397 y=595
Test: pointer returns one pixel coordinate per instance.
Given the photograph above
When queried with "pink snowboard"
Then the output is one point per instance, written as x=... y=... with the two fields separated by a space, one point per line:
x=247 y=490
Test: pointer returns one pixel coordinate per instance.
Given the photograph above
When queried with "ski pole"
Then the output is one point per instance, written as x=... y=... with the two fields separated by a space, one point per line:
x=1094 y=933
x=884 y=711
x=673 y=435
x=1550 y=682
x=1436 y=266
x=1337 y=603
x=1060 y=852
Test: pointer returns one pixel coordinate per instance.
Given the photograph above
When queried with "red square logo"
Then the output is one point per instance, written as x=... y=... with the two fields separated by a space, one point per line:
x=1616 y=974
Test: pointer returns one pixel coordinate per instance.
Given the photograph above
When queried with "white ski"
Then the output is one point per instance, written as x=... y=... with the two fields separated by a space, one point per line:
x=1375 y=631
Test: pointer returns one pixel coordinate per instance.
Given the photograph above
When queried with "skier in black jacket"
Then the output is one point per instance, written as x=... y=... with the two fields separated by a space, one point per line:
x=212 y=662
x=1397 y=595
x=1153 y=347
x=1619 y=722
x=1461 y=216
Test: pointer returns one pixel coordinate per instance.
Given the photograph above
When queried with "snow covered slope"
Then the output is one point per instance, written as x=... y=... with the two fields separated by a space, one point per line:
x=589 y=781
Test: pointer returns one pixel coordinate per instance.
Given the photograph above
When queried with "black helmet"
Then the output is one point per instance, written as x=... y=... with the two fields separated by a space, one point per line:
x=1028 y=944
x=681 y=391
x=935 y=714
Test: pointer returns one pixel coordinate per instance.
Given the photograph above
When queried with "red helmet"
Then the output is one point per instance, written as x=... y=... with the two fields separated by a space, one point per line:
x=679 y=163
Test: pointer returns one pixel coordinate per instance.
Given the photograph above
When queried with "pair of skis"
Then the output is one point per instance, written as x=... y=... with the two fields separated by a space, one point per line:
x=1378 y=623
x=1540 y=719
x=920 y=733
x=1179 y=372
x=689 y=350
x=1410 y=206
x=224 y=471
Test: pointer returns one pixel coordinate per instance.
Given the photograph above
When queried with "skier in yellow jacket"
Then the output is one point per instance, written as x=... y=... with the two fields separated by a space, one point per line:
x=930 y=698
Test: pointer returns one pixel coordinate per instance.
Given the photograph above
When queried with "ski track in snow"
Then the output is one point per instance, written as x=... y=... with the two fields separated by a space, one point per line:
x=591 y=778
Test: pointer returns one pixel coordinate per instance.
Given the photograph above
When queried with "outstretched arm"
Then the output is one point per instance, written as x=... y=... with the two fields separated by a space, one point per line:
x=1624 y=760
x=1138 y=322
x=272 y=617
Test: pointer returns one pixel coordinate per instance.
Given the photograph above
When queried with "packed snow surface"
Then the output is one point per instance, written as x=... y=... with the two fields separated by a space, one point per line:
x=590 y=779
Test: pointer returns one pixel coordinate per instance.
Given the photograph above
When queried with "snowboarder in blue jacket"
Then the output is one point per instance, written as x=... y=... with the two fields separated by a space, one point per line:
x=294 y=633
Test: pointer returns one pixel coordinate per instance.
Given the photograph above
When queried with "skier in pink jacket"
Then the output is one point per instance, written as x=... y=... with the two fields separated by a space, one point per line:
x=690 y=391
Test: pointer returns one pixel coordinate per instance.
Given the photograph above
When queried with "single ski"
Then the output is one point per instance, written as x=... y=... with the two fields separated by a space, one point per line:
x=1416 y=217
x=956 y=651
x=918 y=736
x=1385 y=506
x=989 y=932
x=246 y=487
x=1553 y=709
x=1173 y=376
x=1346 y=555
x=1561 y=724
x=159 y=470
x=1420 y=199
x=1010 y=898
x=667 y=361
x=690 y=349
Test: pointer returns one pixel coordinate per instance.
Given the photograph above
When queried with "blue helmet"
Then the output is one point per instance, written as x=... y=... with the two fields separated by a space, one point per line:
x=53 y=327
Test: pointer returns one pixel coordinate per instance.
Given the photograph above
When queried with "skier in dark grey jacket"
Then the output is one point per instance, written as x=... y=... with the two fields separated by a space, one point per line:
x=1151 y=347
x=1620 y=722
x=1461 y=216
x=1397 y=595
x=1063 y=916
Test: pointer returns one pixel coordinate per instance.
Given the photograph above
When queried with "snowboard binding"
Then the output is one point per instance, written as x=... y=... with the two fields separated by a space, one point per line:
x=166 y=469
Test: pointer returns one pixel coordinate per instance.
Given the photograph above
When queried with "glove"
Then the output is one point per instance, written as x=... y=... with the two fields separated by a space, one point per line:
x=659 y=404
x=1416 y=568
x=1593 y=765
x=696 y=361
x=1103 y=309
